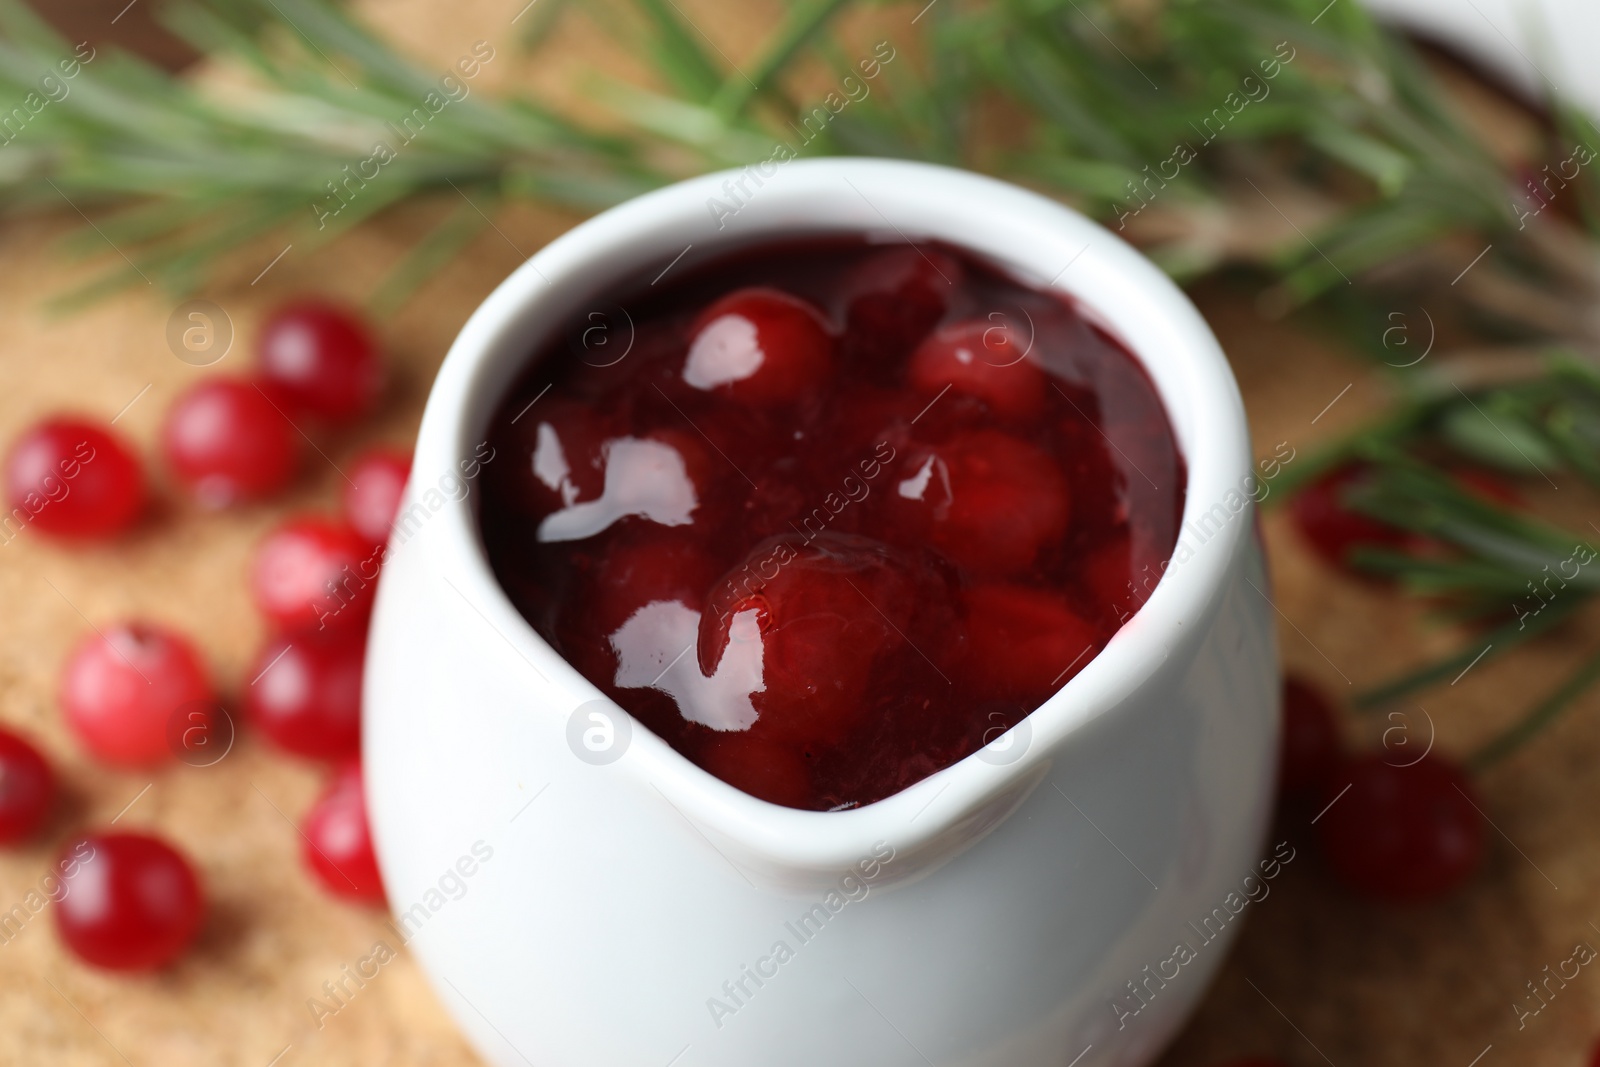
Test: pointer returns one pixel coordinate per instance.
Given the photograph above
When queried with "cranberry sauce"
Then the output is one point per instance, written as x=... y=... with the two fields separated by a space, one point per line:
x=828 y=515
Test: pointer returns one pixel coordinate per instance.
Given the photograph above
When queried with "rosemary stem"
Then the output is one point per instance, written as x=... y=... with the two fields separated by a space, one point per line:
x=1537 y=719
x=1505 y=637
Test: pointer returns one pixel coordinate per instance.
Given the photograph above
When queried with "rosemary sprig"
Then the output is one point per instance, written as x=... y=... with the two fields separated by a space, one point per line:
x=1483 y=560
x=1505 y=637
x=1541 y=716
x=1271 y=100
x=188 y=175
x=1189 y=125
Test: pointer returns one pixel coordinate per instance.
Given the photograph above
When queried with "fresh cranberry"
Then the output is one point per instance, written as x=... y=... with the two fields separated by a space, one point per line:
x=894 y=297
x=122 y=686
x=372 y=495
x=1329 y=524
x=989 y=501
x=1310 y=747
x=72 y=478
x=765 y=769
x=227 y=441
x=306 y=692
x=315 y=573
x=1023 y=642
x=1402 y=833
x=324 y=360
x=132 y=901
x=338 y=841
x=759 y=346
x=27 y=788
x=988 y=359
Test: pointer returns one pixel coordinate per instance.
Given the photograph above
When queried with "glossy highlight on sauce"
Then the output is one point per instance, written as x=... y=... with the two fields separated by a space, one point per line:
x=830 y=515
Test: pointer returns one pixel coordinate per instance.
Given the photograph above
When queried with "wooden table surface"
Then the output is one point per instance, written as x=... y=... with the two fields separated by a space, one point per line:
x=1317 y=976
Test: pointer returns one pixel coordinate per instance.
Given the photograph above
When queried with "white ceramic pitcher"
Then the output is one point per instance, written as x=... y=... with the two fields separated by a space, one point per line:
x=584 y=896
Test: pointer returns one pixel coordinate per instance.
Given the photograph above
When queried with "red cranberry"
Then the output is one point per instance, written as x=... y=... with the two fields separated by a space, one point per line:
x=987 y=500
x=984 y=358
x=1403 y=833
x=120 y=690
x=660 y=478
x=1107 y=573
x=1023 y=642
x=1333 y=529
x=761 y=347
x=306 y=692
x=558 y=457
x=338 y=841
x=227 y=441
x=647 y=565
x=895 y=296
x=801 y=626
x=27 y=788
x=324 y=360
x=132 y=901
x=72 y=478
x=372 y=495
x=765 y=769
x=315 y=573
x=1310 y=748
